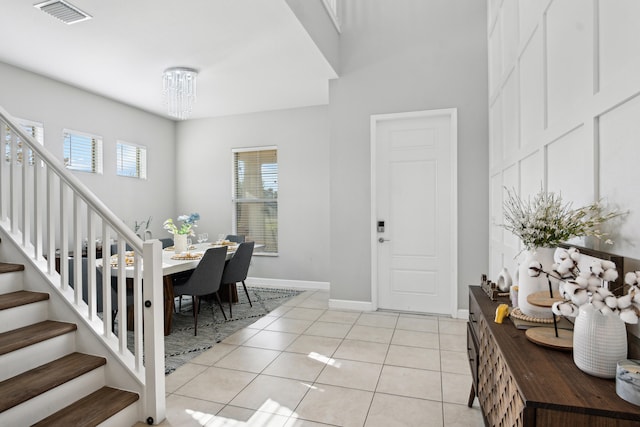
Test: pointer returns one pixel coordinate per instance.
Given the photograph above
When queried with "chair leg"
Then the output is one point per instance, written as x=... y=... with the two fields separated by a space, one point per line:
x=247 y=293
x=114 y=313
x=230 y=301
x=220 y=305
x=196 y=302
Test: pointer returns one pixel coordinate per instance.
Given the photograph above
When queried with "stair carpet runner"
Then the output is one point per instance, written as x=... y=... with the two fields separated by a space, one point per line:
x=25 y=387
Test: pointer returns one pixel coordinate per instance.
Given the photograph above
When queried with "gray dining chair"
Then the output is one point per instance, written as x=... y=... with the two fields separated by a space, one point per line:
x=166 y=242
x=236 y=270
x=235 y=238
x=85 y=289
x=205 y=280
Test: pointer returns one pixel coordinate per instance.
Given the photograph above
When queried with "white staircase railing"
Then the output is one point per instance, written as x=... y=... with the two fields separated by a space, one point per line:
x=44 y=207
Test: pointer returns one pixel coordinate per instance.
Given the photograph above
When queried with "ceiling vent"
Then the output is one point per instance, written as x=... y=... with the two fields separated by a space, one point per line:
x=62 y=10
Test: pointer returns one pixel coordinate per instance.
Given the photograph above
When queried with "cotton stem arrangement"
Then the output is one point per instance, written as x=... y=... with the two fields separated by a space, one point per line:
x=592 y=286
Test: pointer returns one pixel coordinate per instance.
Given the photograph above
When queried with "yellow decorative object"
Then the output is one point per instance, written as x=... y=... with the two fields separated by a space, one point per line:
x=501 y=312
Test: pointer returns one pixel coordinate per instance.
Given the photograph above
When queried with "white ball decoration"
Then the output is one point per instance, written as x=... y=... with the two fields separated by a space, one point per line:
x=582 y=282
x=629 y=316
x=580 y=297
x=609 y=275
x=606 y=310
x=594 y=281
x=611 y=302
x=574 y=253
x=565 y=266
x=555 y=308
x=570 y=288
x=596 y=268
x=534 y=269
x=624 y=302
x=631 y=278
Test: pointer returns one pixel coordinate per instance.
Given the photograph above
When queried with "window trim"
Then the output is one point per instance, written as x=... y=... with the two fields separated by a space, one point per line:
x=142 y=171
x=234 y=201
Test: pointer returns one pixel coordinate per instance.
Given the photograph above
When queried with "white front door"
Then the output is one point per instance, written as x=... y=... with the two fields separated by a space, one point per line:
x=414 y=211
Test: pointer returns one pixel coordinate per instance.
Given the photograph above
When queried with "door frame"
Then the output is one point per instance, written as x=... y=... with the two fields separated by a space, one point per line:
x=452 y=113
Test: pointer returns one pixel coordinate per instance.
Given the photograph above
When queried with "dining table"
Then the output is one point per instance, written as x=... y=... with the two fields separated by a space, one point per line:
x=172 y=264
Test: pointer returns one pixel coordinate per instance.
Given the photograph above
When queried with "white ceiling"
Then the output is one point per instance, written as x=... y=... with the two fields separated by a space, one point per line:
x=252 y=55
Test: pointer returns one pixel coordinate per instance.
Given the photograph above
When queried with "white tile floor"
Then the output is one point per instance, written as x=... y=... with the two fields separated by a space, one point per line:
x=306 y=365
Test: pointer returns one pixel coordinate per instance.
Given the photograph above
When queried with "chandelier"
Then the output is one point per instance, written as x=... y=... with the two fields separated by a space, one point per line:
x=179 y=91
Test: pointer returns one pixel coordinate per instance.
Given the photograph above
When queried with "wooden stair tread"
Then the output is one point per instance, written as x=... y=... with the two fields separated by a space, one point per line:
x=33 y=334
x=27 y=385
x=6 y=267
x=18 y=298
x=91 y=410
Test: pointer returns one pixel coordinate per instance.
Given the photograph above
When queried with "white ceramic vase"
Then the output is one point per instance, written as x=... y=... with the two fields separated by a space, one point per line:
x=599 y=342
x=180 y=243
x=528 y=285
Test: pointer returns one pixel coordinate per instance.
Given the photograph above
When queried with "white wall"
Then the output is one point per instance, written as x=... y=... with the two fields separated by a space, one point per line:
x=59 y=106
x=564 y=80
x=398 y=56
x=204 y=176
x=313 y=15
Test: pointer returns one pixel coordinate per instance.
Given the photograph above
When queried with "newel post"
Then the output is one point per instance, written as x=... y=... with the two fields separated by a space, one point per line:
x=153 y=315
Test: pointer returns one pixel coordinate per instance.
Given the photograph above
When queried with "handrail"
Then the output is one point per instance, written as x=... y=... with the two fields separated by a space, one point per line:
x=23 y=199
x=83 y=191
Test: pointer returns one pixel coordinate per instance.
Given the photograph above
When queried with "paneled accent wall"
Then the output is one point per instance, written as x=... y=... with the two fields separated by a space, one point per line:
x=564 y=79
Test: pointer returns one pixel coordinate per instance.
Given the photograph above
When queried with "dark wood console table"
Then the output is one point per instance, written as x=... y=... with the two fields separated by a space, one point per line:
x=519 y=383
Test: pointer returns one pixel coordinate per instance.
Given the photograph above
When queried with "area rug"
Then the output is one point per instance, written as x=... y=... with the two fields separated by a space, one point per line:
x=181 y=345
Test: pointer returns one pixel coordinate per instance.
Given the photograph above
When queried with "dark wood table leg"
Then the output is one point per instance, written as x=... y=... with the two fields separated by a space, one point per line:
x=167 y=284
x=472 y=396
x=226 y=292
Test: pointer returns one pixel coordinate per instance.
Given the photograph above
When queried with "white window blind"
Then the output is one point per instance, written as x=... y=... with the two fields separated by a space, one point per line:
x=255 y=196
x=82 y=152
x=34 y=129
x=131 y=160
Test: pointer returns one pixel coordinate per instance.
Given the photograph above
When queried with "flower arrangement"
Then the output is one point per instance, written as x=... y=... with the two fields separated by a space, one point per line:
x=545 y=221
x=591 y=286
x=188 y=223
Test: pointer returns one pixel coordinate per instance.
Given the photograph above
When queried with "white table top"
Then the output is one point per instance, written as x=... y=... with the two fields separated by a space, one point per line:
x=171 y=266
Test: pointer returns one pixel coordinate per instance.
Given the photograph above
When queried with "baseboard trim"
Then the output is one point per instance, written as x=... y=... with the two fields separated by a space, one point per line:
x=283 y=283
x=463 y=313
x=341 y=304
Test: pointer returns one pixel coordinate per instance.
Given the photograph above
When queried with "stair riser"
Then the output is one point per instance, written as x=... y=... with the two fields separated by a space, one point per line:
x=127 y=417
x=24 y=315
x=52 y=401
x=11 y=282
x=19 y=361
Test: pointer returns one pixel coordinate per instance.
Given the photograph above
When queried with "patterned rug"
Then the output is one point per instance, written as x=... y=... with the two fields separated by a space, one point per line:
x=181 y=345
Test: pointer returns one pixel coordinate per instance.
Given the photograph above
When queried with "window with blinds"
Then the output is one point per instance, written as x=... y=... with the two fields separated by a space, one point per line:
x=255 y=196
x=34 y=129
x=82 y=152
x=131 y=160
